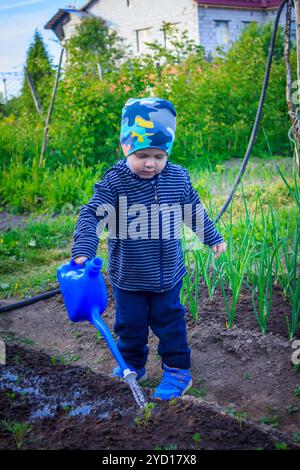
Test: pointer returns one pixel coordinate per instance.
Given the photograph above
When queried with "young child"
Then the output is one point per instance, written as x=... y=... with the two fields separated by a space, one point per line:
x=145 y=261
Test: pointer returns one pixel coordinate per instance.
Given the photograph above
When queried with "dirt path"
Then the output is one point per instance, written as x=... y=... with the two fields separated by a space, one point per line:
x=9 y=221
x=246 y=373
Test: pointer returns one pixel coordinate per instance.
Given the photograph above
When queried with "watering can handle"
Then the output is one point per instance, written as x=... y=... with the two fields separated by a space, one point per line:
x=76 y=265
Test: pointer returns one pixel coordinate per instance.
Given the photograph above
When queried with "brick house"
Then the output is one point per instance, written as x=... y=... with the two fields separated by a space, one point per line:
x=211 y=23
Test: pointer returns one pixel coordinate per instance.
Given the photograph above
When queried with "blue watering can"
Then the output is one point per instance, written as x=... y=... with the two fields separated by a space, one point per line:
x=85 y=297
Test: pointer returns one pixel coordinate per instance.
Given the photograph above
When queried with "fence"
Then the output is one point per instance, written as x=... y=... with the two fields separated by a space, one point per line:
x=10 y=85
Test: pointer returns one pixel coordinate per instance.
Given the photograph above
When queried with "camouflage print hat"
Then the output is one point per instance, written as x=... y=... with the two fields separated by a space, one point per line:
x=147 y=123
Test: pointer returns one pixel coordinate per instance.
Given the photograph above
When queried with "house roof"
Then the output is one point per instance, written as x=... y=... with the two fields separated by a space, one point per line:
x=255 y=4
x=61 y=13
x=88 y=4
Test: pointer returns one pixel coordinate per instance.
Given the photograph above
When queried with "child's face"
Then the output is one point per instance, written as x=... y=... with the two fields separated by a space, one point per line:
x=147 y=163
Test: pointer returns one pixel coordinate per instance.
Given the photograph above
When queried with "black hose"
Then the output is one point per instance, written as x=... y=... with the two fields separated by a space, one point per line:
x=259 y=111
x=45 y=295
x=31 y=300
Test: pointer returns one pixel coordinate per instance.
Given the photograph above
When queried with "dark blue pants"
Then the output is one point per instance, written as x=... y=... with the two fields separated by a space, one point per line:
x=136 y=311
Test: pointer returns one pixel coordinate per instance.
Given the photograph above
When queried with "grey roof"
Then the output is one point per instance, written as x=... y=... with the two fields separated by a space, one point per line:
x=62 y=13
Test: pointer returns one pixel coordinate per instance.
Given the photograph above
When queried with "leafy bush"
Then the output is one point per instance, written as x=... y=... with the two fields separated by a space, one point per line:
x=27 y=187
x=216 y=104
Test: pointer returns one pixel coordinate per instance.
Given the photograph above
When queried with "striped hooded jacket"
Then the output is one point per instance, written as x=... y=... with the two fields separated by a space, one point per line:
x=150 y=261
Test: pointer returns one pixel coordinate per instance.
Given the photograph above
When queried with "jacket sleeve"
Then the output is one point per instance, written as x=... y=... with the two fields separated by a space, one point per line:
x=196 y=218
x=89 y=226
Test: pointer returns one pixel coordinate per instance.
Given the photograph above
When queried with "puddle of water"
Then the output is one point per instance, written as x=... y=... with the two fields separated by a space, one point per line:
x=76 y=394
x=26 y=390
x=104 y=415
x=92 y=406
x=30 y=391
x=81 y=410
x=10 y=377
x=44 y=404
x=47 y=412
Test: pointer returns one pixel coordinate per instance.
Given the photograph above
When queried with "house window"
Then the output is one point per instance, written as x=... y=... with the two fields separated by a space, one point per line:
x=142 y=36
x=246 y=23
x=222 y=32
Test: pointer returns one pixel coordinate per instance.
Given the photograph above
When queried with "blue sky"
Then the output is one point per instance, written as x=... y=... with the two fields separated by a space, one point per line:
x=18 y=21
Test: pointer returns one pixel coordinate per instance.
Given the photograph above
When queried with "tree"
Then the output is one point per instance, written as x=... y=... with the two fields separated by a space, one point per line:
x=177 y=47
x=39 y=67
x=95 y=47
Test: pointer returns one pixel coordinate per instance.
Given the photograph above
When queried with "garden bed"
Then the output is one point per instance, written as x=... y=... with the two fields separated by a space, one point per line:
x=69 y=407
x=243 y=382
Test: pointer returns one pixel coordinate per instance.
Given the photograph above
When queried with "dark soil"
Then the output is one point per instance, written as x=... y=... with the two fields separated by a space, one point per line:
x=239 y=371
x=245 y=317
x=91 y=411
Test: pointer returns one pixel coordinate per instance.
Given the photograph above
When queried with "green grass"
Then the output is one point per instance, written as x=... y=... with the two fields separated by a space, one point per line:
x=168 y=447
x=296 y=437
x=37 y=249
x=197 y=440
x=17 y=359
x=99 y=336
x=196 y=392
x=18 y=430
x=27 y=341
x=281 y=445
x=64 y=359
x=145 y=417
x=7 y=337
x=270 y=420
x=150 y=382
x=11 y=397
x=296 y=391
x=66 y=408
x=259 y=171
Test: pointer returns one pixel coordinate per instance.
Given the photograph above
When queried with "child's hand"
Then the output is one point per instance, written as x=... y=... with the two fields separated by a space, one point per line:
x=221 y=248
x=80 y=259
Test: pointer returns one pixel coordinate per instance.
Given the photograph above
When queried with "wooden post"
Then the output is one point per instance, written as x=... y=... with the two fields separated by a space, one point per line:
x=36 y=100
x=50 y=110
x=297 y=24
x=288 y=68
x=100 y=70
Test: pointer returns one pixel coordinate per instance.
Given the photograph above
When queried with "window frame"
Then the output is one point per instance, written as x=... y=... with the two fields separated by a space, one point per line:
x=137 y=31
x=217 y=23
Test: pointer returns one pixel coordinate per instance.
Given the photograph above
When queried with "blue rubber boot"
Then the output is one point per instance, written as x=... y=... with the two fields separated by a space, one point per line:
x=141 y=373
x=174 y=383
